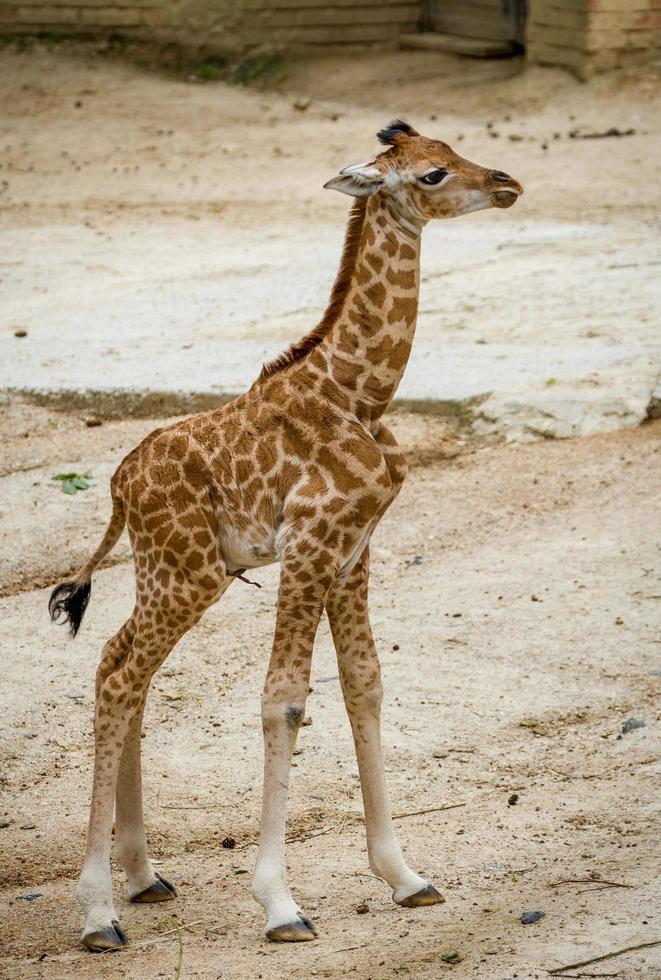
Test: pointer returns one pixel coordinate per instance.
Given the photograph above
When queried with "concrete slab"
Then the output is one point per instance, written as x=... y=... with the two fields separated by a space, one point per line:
x=121 y=313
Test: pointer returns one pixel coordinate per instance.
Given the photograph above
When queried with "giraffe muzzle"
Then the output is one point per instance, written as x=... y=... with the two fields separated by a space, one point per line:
x=506 y=191
x=504 y=199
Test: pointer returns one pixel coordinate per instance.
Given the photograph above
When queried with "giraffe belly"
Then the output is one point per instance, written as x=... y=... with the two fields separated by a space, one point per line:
x=243 y=549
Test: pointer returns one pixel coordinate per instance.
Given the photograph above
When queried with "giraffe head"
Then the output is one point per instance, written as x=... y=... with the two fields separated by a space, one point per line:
x=426 y=179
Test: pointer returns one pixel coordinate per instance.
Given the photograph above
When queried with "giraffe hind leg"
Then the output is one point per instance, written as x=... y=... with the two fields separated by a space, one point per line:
x=102 y=932
x=145 y=884
x=120 y=698
x=122 y=682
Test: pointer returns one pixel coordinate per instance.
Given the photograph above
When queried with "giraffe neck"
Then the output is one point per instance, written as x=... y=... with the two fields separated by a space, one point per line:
x=367 y=346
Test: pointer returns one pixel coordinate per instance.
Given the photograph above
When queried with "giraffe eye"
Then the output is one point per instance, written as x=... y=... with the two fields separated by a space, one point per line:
x=434 y=176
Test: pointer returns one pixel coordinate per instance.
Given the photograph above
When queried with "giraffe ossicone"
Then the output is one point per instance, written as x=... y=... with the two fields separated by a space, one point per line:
x=298 y=470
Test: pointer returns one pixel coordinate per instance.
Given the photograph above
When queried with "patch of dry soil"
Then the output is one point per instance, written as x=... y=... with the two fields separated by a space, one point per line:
x=515 y=600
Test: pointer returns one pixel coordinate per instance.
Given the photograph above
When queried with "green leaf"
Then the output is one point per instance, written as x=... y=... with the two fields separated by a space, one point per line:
x=72 y=482
x=450 y=957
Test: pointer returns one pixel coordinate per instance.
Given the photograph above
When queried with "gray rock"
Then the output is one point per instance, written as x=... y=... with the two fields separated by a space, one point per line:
x=610 y=398
x=631 y=724
x=528 y=918
x=654 y=407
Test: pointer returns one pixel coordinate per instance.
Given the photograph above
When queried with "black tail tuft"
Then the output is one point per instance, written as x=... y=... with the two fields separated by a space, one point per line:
x=70 y=600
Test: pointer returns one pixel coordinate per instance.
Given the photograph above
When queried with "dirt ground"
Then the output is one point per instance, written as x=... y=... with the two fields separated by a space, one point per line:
x=162 y=145
x=515 y=589
x=515 y=604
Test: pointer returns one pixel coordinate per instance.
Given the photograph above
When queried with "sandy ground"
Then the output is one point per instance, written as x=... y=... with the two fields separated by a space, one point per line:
x=183 y=227
x=515 y=604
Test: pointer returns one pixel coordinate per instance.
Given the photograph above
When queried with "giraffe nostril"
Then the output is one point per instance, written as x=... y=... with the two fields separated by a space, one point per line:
x=499 y=175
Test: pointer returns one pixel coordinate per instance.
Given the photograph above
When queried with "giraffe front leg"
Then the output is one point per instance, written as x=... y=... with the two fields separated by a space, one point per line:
x=283 y=704
x=360 y=675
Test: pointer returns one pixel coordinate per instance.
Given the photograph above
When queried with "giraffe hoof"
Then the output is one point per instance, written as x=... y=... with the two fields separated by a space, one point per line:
x=301 y=931
x=106 y=940
x=426 y=896
x=160 y=891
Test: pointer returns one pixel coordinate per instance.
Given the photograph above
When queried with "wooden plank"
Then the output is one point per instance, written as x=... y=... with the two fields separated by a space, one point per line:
x=335 y=16
x=473 y=47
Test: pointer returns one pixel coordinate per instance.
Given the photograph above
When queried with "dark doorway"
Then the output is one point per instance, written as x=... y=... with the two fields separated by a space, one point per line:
x=495 y=20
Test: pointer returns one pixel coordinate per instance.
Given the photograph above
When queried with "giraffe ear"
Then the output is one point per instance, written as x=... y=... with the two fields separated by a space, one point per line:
x=358 y=180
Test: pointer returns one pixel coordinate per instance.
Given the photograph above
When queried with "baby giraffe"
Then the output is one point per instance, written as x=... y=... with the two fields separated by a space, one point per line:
x=298 y=470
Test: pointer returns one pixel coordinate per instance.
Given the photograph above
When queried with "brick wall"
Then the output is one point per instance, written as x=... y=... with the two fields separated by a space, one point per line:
x=226 y=25
x=588 y=36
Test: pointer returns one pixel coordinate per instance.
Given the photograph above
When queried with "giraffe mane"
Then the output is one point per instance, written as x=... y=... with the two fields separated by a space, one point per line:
x=298 y=350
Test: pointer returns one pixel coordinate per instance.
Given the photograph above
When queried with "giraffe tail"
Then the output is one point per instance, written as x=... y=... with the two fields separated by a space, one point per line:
x=70 y=599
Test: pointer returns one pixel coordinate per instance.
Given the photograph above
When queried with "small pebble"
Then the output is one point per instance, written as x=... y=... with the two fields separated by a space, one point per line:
x=363 y=908
x=513 y=799
x=20 y=333
x=228 y=843
x=529 y=917
x=31 y=896
x=631 y=724
x=92 y=423
x=28 y=826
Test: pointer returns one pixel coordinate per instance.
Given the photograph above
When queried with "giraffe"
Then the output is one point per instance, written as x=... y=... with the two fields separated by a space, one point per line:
x=297 y=470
